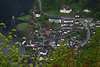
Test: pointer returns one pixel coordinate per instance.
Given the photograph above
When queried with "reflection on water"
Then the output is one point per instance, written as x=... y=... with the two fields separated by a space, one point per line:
x=14 y=7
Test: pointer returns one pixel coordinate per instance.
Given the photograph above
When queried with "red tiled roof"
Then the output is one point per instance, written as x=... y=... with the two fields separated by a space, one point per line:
x=47 y=32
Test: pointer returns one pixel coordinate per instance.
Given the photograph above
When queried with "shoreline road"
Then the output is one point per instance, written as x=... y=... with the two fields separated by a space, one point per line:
x=40 y=4
x=88 y=34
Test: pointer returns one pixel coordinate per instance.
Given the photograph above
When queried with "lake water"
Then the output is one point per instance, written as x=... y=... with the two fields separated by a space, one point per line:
x=10 y=8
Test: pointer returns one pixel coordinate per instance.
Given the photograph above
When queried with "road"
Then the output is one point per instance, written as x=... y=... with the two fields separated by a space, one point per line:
x=85 y=24
x=40 y=4
x=88 y=35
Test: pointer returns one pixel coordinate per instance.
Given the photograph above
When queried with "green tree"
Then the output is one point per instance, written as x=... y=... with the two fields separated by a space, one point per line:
x=9 y=54
x=2 y=26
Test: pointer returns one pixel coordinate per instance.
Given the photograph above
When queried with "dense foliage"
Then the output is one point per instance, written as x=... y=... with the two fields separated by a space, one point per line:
x=89 y=56
x=77 y=5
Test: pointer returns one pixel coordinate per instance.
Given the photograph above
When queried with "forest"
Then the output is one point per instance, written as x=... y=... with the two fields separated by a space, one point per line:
x=93 y=5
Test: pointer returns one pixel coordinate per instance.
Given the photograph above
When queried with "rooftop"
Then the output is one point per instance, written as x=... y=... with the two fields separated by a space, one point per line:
x=54 y=17
x=37 y=12
x=65 y=7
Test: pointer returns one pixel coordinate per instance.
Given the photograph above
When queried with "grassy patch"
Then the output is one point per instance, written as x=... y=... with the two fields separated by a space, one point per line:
x=22 y=26
x=53 y=12
x=25 y=18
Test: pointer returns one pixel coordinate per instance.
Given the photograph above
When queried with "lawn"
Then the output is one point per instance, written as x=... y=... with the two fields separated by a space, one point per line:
x=22 y=26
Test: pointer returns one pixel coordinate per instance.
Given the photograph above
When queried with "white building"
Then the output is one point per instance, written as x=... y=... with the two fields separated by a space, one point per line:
x=97 y=25
x=77 y=15
x=68 y=20
x=43 y=53
x=77 y=22
x=37 y=13
x=92 y=24
x=86 y=11
x=23 y=42
x=56 y=19
x=65 y=9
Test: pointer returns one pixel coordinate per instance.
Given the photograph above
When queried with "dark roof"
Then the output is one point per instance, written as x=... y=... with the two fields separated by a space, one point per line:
x=97 y=24
x=93 y=30
x=27 y=48
x=37 y=12
x=68 y=19
x=54 y=17
x=44 y=51
x=44 y=56
x=66 y=7
x=66 y=29
x=77 y=21
x=77 y=13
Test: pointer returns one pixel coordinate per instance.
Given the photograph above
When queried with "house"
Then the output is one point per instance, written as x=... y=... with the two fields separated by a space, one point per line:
x=65 y=31
x=24 y=42
x=77 y=22
x=92 y=24
x=66 y=24
x=71 y=43
x=77 y=15
x=65 y=9
x=86 y=10
x=52 y=43
x=48 y=32
x=97 y=25
x=62 y=39
x=58 y=45
x=80 y=27
x=66 y=27
x=41 y=58
x=89 y=41
x=93 y=31
x=37 y=13
x=68 y=21
x=43 y=52
x=56 y=19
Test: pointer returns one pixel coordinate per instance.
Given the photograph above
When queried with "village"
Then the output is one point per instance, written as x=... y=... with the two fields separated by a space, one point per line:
x=50 y=33
x=72 y=32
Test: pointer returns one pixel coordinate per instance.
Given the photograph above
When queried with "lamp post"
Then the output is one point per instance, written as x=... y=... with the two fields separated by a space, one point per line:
x=13 y=20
